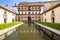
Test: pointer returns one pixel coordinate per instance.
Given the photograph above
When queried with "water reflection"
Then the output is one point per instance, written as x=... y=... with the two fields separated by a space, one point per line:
x=29 y=24
x=28 y=36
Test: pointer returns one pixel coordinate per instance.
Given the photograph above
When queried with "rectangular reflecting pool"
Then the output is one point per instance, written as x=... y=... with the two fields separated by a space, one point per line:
x=28 y=32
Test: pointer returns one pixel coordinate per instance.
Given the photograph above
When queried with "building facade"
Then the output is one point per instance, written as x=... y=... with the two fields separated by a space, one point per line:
x=43 y=11
x=26 y=9
x=6 y=15
x=51 y=15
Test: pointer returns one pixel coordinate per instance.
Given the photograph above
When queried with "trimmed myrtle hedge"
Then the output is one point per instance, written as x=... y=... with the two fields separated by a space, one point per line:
x=53 y=25
x=6 y=25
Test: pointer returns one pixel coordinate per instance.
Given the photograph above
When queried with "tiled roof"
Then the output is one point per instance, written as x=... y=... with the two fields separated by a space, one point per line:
x=35 y=3
x=47 y=5
x=51 y=8
x=6 y=8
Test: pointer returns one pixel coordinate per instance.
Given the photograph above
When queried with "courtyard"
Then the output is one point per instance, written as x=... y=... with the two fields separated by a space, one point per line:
x=29 y=20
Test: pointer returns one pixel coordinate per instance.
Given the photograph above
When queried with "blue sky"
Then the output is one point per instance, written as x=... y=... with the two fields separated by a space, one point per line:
x=11 y=3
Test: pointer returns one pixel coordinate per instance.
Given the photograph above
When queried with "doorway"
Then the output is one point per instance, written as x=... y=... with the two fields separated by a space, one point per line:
x=29 y=19
x=53 y=19
x=5 y=20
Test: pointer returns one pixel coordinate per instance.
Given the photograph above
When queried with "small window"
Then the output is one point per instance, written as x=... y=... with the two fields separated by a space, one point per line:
x=32 y=12
x=52 y=11
x=33 y=17
x=28 y=12
x=22 y=12
x=39 y=12
x=22 y=8
x=39 y=16
x=13 y=14
x=36 y=17
x=45 y=14
x=29 y=8
x=25 y=17
x=22 y=17
x=36 y=12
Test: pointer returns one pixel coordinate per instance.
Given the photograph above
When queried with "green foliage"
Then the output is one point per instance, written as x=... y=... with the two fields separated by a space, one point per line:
x=53 y=25
x=6 y=25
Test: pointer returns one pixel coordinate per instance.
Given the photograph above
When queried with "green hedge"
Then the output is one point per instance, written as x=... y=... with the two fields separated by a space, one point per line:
x=6 y=25
x=53 y=25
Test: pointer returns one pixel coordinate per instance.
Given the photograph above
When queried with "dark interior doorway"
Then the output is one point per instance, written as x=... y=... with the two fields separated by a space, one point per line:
x=12 y=20
x=29 y=19
x=5 y=20
x=53 y=19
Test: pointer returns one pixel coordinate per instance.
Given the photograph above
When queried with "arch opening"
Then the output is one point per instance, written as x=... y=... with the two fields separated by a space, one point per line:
x=29 y=19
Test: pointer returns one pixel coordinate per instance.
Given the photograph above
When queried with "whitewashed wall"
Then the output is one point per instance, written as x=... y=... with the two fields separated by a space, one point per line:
x=1 y=16
x=48 y=15
x=14 y=17
x=57 y=14
x=10 y=16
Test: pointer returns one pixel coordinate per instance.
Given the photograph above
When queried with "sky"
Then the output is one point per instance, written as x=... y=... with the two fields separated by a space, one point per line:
x=11 y=3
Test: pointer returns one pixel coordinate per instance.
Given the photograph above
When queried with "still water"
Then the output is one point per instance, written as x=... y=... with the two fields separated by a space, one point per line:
x=28 y=32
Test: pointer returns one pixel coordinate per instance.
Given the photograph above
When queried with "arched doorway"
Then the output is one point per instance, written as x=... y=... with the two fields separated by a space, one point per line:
x=29 y=19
